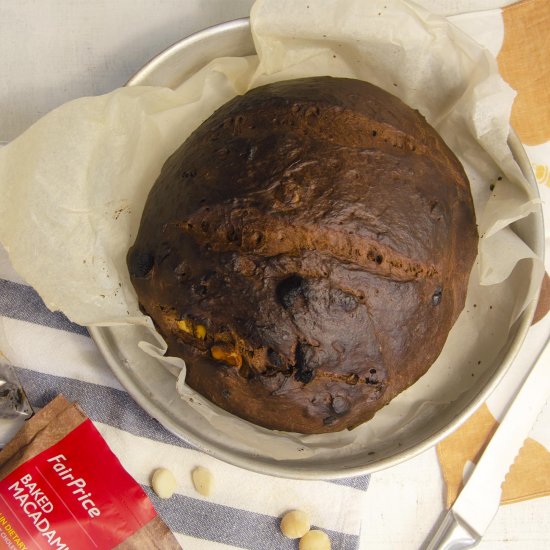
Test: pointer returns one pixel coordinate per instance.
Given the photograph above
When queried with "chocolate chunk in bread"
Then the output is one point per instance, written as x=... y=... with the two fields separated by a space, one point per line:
x=306 y=251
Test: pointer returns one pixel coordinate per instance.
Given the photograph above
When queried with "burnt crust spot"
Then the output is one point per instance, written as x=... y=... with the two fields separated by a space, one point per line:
x=304 y=371
x=291 y=292
x=437 y=296
x=140 y=263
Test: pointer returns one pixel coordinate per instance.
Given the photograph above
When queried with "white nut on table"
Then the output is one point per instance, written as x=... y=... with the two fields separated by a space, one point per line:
x=163 y=482
x=202 y=480
x=295 y=524
x=315 y=540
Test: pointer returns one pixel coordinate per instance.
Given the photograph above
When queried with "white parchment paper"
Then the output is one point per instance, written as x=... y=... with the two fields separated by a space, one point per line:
x=73 y=186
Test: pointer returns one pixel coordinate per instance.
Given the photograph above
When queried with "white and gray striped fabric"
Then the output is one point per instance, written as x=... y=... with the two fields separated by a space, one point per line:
x=53 y=356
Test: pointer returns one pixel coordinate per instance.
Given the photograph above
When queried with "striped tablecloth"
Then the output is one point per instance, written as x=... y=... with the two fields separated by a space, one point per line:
x=53 y=356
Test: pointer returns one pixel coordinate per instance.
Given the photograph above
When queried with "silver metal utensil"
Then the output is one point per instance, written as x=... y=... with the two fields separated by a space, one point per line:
x=478 y=502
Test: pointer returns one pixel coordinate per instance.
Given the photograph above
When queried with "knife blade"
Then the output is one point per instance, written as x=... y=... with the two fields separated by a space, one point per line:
x=478 y=502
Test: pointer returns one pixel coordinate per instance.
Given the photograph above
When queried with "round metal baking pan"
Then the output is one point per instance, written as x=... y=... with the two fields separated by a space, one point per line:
x=154 y=388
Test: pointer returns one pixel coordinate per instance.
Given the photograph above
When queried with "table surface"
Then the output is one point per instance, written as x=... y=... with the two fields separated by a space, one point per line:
x=54 y=51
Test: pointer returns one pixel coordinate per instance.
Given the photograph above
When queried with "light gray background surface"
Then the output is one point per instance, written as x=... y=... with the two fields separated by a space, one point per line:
x=52 y=51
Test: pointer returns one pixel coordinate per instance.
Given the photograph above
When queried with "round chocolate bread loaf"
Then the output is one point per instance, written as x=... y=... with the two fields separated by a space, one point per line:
x=306 y=251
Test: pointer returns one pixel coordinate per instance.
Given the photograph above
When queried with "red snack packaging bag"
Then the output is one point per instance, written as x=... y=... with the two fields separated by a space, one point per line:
x=62 y=487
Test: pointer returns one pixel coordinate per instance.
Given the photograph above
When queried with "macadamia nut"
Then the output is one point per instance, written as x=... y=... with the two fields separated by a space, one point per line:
x=202 y=480
x=163 y=482
x=315 y=540
x=295 y=524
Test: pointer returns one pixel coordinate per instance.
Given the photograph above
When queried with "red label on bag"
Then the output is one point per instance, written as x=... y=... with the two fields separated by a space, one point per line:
x=75 y=494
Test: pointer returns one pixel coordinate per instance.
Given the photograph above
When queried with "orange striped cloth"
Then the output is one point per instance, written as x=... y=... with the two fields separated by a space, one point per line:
x=524 y=62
